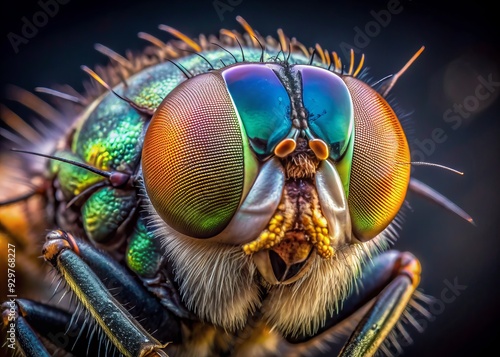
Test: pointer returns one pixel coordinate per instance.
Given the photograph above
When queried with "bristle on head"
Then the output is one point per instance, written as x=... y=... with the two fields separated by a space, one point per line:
x=386 y=88
x=432 y=195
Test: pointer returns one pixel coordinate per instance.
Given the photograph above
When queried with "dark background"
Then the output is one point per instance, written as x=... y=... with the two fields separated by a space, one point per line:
x=461 y=46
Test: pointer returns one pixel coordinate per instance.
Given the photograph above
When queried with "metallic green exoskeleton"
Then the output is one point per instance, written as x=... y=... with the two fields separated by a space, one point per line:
x=231 y=196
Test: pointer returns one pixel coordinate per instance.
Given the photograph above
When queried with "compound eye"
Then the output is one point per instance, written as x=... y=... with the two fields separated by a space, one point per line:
x=329 y=104
x=262 y=103
x=196 y=162
x=380 y=172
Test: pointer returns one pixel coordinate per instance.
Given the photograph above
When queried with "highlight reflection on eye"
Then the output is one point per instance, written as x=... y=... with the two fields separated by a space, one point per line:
x=262 y=103
x=329 y=105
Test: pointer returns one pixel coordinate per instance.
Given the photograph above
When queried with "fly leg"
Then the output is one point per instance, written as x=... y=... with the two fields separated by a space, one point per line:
x=370 y=312
x=86 y=272
x=20 y=333
x=400 y=273
x=29 y=322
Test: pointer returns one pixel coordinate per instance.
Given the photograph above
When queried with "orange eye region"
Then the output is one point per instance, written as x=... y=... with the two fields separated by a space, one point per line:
x=379 y=173
x=193 y=158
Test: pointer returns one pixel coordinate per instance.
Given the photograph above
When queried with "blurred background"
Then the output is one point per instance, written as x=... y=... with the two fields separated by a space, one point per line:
x=451 y=93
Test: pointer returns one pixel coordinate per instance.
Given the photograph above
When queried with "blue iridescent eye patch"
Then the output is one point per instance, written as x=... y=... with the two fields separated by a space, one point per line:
x=329 y=104
x=262 y=103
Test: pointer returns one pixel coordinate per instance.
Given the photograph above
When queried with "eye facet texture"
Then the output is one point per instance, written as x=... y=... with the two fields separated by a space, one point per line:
x=193 y=158
x=380 y=165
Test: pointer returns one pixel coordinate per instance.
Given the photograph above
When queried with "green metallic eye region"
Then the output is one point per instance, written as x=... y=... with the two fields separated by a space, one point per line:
x=330 y=108
x=262 y=103
x=196 y=163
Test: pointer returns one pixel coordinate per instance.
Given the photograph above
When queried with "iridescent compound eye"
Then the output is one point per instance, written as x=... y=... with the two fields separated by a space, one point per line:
x=379 y=172
x=262 y=103
x=329 y=106
x=196 y=160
